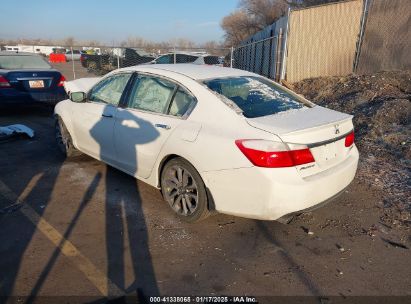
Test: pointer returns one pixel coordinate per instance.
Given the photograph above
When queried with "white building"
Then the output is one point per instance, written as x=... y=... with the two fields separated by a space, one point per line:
x=38 y=49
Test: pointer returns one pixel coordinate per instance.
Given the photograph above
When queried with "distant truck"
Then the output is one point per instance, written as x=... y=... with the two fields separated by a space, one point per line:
x=119 y=58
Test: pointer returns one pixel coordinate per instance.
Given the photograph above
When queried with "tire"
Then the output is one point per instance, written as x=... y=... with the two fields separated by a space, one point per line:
x=63 y=139
x=91 y=66
x=184 y=190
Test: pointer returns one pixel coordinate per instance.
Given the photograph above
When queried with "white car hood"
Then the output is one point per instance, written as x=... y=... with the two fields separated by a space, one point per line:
x=81 y=84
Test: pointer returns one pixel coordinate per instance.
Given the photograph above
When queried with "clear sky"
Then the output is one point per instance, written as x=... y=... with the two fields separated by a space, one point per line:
x=113 y=21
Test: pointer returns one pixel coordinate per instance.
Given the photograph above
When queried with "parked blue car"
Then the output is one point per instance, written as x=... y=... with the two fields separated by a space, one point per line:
x=27 y=79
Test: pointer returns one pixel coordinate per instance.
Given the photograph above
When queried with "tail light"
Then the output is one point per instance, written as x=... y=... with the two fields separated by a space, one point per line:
x=270 y=154
x=4 y=83
x=61 y=81
x=349 y=139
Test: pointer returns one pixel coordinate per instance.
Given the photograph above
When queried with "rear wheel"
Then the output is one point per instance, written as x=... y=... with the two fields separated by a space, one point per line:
x=184 y=190
x=91 y=66
x=63 y=139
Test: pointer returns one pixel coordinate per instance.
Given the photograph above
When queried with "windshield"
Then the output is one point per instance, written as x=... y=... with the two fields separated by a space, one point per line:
x=16 y=62
x=256 y=96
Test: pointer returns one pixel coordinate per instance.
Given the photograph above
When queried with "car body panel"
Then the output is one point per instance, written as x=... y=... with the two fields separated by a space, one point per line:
x=268 y=194
x=206 y=138
x=21 y=90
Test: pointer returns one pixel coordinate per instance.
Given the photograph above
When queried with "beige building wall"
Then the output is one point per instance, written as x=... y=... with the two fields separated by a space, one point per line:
x=322 y=40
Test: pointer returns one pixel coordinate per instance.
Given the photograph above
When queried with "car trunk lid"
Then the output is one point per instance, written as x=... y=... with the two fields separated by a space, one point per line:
x=322 y=130
x=33 y=80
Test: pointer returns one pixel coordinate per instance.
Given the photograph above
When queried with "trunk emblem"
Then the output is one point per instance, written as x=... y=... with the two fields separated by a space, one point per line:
x=34 y=75
x=337 y=129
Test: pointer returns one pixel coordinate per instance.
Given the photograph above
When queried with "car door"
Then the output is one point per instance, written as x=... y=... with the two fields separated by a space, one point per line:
x=93 y=120
x=155 y=108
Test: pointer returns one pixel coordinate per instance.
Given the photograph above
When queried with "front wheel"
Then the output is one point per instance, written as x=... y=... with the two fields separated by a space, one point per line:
x=184 y=190
x=63 y=139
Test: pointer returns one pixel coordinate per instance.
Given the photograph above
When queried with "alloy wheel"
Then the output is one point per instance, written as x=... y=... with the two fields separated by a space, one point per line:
x=180 y=190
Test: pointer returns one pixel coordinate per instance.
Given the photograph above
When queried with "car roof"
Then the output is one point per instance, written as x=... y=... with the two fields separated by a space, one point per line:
x=193 y=71
x=15 y=53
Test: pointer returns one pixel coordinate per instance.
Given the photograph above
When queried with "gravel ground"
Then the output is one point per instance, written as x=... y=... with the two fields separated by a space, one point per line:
x=381 y=107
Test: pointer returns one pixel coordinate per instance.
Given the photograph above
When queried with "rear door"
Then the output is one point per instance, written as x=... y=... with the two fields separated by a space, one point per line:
x=93 y=121
x=155 y=108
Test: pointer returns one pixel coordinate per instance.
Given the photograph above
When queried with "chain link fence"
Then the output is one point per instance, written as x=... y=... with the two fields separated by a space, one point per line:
x=79 y=62
x=263 y=57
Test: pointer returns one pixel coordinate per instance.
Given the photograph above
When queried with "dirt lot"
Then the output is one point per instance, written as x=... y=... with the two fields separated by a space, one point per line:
x=80 y=228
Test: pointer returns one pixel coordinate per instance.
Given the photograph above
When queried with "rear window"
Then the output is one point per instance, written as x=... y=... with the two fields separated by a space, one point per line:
x=14 y=62
x=256 y=96
x=212 y=60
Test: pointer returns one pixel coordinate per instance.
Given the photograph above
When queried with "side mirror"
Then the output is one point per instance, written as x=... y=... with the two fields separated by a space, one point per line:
x=78 y=97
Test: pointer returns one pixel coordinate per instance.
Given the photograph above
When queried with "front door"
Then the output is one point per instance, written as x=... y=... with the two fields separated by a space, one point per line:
x=155 y=108
x=93 y=121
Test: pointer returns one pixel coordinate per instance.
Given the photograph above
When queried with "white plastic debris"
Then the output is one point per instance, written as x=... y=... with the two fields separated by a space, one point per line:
x=16 y=129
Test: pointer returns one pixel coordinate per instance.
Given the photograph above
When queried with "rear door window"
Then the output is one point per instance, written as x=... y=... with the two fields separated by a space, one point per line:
x=181 y=103
x=151 y=94
x=256 y=96
x=183 y=58
x=211 y=60
x=165 y=59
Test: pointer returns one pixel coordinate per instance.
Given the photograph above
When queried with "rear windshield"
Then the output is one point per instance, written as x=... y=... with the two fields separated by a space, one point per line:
x=256 y=96
x=17 y=62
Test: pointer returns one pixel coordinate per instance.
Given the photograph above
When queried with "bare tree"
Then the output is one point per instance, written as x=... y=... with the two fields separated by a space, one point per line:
x=254 y=15
x=238 y=26
x=69 y=41
x=251 y=17
x=264 y=12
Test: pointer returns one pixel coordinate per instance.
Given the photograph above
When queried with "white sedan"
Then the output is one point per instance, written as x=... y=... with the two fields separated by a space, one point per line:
x=212 y=139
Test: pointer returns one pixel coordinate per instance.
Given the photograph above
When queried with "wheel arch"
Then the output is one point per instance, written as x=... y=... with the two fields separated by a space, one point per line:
x=166 y=159
x=61 y=111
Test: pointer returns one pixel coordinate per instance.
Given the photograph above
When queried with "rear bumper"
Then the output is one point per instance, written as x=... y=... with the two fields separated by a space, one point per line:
x=270 y=194
x=16 y=97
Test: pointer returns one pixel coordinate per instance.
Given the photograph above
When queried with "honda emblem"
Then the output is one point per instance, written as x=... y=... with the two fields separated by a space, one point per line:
x=337 y=129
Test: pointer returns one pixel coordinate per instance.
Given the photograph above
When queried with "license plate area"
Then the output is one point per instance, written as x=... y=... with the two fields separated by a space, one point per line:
x=36 y=84
x=328 y=151
x=325 y=153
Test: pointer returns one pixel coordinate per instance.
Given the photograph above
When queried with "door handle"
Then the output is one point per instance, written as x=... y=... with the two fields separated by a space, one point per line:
x=107 y=115
x=166 y=127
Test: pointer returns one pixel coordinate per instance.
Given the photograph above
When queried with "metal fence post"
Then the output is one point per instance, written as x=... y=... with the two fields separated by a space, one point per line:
x=72 y=62
x=232 y=57
x=278 y=56
x=118 y=57
x=361 y=36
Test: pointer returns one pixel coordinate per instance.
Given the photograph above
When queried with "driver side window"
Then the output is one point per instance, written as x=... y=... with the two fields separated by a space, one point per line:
x=109 y=90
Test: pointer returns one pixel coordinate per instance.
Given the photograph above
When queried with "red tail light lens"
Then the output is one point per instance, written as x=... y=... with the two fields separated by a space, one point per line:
x=4 y=83
x=349 y=139
x=61 y=81
x=267 y=154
